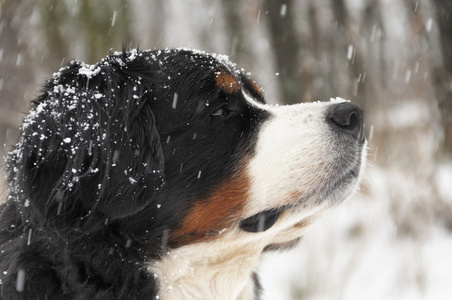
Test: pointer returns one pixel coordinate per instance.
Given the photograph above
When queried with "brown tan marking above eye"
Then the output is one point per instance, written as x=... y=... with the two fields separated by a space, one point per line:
x=226 y=82
x=256 y=88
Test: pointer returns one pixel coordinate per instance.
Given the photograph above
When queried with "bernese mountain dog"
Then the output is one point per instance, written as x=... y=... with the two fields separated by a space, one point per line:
x=165 y=175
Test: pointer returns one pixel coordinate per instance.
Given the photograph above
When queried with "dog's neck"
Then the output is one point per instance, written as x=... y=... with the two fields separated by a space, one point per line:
x=209 y=270
x=223 y=268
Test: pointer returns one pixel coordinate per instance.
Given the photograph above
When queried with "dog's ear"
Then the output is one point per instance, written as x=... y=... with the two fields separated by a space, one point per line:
x=89 y=144
x=134 y=164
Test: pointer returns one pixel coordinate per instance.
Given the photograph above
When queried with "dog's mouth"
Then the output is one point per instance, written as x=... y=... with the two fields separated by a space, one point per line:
x=337 y=189
x=346 y=179
x=264 y=220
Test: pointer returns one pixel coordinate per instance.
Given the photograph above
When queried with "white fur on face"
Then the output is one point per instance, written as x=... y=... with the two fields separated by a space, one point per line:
x=300 y=161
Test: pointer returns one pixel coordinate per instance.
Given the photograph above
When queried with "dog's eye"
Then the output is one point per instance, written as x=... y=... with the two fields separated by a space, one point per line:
x=221 y=112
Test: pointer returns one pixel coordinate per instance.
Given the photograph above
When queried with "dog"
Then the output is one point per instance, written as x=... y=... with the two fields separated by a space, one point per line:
x=163 y=174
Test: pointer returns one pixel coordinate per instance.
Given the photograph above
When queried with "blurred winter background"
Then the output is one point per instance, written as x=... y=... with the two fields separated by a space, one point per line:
x=393 y=240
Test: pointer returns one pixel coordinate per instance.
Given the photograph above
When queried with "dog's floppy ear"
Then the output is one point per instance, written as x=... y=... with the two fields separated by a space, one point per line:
x=89 y=144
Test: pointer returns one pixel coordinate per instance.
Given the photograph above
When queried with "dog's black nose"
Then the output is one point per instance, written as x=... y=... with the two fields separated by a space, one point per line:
x=347 y=118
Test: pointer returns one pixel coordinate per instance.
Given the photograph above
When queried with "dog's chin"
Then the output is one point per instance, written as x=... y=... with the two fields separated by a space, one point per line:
x=341 y=188
x=336 y=190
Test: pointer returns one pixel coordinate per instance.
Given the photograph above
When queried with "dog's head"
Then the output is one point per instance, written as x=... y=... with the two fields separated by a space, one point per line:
x=179 y=146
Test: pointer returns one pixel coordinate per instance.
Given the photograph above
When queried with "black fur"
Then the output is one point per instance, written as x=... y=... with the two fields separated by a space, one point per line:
x=110 y=159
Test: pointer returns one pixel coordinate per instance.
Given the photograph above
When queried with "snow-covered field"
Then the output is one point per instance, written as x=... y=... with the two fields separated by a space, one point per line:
x=374 y=246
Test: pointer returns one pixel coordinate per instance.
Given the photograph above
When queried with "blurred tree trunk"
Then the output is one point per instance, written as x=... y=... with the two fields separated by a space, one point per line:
x=104 y=24
x=150 y=29
x=443 y=74
x=444 y=15
x=235 y=30
x=95 y=26
x=366 y=85
x=284 y=41
x=14 y=69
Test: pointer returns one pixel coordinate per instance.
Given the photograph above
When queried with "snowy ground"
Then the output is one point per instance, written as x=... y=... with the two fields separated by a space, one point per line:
x=372 y=248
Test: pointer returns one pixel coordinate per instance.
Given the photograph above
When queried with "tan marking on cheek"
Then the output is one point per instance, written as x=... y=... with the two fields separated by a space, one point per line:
x=226 y=82
x=295 y=196
x=305 y=223
x=282 y=246
x=209 y=216
x=290 y=237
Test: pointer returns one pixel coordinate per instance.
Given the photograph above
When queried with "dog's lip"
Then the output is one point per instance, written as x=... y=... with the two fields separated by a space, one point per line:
x=349 y=175
x=341 y=182
x=263 y=220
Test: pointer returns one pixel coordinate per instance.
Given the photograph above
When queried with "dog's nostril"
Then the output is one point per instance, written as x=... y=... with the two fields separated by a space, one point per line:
x=348 y=118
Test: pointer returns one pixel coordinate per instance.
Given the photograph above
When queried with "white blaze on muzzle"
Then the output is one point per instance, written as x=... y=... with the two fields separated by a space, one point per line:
x=307 y=155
